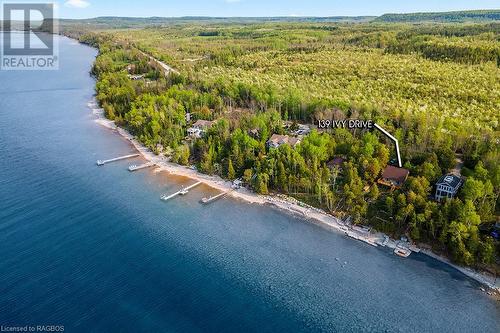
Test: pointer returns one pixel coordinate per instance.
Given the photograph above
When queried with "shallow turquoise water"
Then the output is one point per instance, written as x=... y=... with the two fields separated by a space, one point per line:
x=95 y=249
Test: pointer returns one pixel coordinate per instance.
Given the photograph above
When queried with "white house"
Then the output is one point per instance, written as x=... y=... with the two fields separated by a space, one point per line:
x=447 y=186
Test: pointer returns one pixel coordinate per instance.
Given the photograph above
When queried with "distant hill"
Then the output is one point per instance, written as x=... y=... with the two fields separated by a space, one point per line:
x=114 y=22
x=461 y=16
x=135 y=22
x=111 y=22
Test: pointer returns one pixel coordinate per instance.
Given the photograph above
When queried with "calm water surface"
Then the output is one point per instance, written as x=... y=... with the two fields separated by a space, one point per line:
x=95 y=250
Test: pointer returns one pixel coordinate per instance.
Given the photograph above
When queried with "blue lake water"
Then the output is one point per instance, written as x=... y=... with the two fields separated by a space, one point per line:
x=95 y=250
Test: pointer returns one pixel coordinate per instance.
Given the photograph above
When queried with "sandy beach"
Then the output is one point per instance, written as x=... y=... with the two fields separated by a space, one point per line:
x=284 y=203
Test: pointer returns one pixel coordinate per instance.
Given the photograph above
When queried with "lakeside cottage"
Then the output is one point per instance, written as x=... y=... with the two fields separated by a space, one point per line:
x=447 y=186
x=394 y=177
x=277 y=140
x=199 y=128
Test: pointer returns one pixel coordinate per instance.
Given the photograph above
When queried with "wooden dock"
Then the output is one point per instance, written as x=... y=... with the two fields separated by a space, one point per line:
x=140 y=167
x=101 y=162
x=211 y=199
x=182 y=191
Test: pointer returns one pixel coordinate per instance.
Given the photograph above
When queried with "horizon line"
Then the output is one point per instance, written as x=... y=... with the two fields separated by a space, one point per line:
x=285 y=16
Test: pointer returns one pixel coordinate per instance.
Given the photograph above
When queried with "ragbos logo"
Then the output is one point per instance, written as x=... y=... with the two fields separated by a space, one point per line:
x=28 y=41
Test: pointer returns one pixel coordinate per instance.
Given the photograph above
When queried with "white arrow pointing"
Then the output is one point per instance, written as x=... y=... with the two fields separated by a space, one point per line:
x=393 y=139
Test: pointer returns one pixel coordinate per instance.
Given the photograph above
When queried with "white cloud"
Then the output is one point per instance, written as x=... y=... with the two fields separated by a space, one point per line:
x=77 y=3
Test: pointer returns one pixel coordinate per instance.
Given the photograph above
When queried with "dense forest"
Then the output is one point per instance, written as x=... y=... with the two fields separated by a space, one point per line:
x=435 y=87
x=458 y=16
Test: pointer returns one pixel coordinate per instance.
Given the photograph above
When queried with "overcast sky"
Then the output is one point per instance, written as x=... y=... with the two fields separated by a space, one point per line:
x=175 y=8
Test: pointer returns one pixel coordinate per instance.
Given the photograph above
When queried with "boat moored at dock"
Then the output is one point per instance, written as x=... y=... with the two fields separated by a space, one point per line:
x=182 y=191
x=402 y=251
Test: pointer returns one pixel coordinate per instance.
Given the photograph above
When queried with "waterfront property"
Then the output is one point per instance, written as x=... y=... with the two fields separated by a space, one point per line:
x=394 y=177
x=98 y=251
x=447 y=186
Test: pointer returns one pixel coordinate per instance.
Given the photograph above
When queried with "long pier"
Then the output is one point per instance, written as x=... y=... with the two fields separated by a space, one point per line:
x=102 y=162
x=182 y=191
x=211 y=199
x=140 y=167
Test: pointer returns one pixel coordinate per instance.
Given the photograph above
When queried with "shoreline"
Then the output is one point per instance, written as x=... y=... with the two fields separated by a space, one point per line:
x=283 y=203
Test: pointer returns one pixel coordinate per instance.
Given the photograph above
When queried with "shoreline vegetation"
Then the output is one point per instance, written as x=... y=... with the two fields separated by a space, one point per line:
x=240 y=100
x=286 y=204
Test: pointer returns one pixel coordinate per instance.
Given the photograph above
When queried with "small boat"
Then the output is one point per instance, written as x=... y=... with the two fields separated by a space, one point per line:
x=205 y=200
x=132 y=167
x=402 y=252
x=183 y=192
x=99 y=162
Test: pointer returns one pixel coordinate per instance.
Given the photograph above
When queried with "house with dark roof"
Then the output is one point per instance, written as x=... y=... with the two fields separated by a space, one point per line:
x=336 y=162
x=394 y=177
x=447 y=186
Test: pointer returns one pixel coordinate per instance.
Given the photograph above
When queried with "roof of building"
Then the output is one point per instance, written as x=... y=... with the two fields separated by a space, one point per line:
x=279 y=139
x=450 y=180
x=336 y=161
x=292 y=141
x=395 y=173
x=203 y=123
